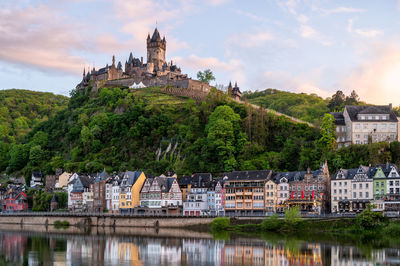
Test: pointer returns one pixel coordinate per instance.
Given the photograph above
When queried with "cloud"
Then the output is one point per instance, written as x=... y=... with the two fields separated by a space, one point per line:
x=286 y=81
x=368 y=33
x=252 y=16
x=250 y=40
x=40 y=37
x=217 y=2
x=377 y=80
x=309 y=32
x=291 y=6
x=341 y=9
x=195 y=63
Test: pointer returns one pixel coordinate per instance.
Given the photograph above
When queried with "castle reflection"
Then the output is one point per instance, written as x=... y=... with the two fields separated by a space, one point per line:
x=66 y=249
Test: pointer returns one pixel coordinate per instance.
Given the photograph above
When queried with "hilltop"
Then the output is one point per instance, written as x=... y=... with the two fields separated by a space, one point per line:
x=150 y=130
x=307 y=107
x=21 y=110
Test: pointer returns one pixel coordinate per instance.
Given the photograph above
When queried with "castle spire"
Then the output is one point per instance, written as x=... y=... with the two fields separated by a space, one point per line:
x=235 y=84
x=84 y=74
x=113 y=60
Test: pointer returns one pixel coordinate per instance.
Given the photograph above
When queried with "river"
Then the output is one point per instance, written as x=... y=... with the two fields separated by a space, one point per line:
x=75 y=246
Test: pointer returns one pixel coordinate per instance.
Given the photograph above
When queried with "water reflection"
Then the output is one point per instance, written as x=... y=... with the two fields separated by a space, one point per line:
x=28 y=248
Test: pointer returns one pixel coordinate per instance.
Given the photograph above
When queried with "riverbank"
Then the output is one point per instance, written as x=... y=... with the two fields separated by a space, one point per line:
x=100 y=220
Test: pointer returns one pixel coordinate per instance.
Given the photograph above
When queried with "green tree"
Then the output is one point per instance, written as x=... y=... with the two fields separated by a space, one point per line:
x=225 y=137
x=292 y=216
x=205 y=76
x=337 y=101
x=328 y=135
x=36 y=155
x=19 y=155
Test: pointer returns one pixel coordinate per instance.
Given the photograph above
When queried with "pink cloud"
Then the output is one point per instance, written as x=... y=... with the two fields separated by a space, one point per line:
x=39 y=37
x=377 y=79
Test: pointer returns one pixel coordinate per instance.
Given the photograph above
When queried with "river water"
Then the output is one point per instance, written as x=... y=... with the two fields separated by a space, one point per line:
x=75 y=246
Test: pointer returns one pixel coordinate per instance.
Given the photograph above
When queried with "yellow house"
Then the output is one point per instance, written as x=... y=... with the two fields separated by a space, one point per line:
x=63 y=180
x=130 y=187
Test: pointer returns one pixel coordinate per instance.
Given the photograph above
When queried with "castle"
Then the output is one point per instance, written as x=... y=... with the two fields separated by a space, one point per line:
x=155 y=72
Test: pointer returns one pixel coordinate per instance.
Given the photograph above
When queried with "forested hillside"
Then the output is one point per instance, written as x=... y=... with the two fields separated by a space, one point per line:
x=307 y=107
x=21 y=110
x=153 y=131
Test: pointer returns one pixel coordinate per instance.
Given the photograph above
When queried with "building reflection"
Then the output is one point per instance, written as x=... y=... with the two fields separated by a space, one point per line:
x=40 y=249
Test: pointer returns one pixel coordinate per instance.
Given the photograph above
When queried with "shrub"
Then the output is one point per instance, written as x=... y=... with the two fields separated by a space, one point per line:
x=292 y=216
x=369 y=220
x=271 y=223
x=61 y=224
x=393 y=230
x=220 y=223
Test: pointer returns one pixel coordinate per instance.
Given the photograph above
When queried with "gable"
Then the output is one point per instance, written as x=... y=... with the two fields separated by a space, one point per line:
x=379 y=173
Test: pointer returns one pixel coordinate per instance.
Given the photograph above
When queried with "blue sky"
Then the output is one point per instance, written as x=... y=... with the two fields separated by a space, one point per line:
x=311 y=46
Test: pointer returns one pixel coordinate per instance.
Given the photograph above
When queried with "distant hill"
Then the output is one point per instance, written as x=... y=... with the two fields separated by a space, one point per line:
x=21 y=110
x=307 y=107
x=150 y=130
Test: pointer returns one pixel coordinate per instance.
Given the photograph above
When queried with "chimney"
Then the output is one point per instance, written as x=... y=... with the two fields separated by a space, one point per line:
x=390 y=106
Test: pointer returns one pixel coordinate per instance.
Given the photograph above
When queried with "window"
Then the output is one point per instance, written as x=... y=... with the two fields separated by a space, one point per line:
x=354 y=195
x=366 y=136
x=366 y=185
x=360 y=186
x=357 y=142
x=357 y=126
x=357 y=136
x=370 y=117
x=366 y=194
x=383 y=126
x=334 y=191
x=340 y=191
x=392 y=126
x=391 y=183
x=375 y=126
x=360 y=194
x=382 y=184
x=384 y=117
x=354 y=186
x=345 y=191
x=363 y=117
x=377 y=117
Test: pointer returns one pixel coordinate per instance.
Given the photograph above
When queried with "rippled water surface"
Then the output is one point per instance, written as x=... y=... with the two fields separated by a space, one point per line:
x=74 y=246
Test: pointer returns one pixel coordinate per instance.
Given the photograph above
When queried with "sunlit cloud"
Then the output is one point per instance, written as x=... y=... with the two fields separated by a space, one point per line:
x=368 y=33
x=377 y=80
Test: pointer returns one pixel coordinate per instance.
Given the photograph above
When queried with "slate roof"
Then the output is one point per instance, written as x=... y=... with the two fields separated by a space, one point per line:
x=339 y=118
x=247 y=175
x=131 y=177
x=354 y=110
x=37 y=174
x=156 y=36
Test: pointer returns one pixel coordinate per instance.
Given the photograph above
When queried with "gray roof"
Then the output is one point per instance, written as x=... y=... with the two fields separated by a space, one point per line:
x=248 y=175
x=130 y=177
x=354 y=110
x=156 y=36
x=339 y=118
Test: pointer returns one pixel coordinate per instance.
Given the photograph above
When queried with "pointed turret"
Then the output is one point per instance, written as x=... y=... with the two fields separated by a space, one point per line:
x=113 y=60
x=156 y=36
x=119 y=65
x=130 y=60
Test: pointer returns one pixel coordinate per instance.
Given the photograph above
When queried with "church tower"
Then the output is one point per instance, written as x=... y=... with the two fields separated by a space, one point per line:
x=156 y=50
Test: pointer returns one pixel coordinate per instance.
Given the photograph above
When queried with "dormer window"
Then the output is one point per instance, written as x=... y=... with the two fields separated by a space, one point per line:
x=363 y=117
x=377 y=117
x=384 y=117
x=370 y=117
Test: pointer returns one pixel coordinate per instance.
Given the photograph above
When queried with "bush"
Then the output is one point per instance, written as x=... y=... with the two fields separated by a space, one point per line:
x=61 y=224
x=369 y=220
x=271 y=223
x=393 y=230
x=292 y=216
x=220 y=223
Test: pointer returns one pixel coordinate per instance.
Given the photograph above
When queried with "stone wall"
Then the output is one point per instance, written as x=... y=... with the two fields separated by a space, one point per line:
x=107 y=221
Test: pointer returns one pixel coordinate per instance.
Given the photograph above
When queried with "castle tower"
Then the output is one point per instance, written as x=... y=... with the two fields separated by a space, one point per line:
x=156 y=48
x=230 y=89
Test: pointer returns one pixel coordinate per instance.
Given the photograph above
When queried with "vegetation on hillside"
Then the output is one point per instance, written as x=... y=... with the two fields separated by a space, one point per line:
x=307 y=107
x=21 y=110
x=149 y=130
x=154 y=131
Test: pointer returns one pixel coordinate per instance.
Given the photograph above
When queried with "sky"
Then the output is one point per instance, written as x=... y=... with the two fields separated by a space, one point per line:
x=310 y=46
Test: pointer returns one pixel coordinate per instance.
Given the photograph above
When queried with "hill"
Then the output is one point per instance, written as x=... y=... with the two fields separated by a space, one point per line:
x=307 y=107
x=150 y=130
x=21 y=110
